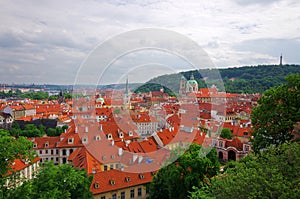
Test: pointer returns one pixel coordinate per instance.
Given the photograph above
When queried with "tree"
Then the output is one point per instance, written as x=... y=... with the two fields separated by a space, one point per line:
x=54 y=182
x=177 y=179
x=11 y=148
x=226 y=133
x=278 y=111
x=51 y=132
x=31 y=130
x=273 y=173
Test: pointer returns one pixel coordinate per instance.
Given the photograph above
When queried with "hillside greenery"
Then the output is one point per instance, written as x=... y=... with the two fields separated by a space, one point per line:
x=247 y=79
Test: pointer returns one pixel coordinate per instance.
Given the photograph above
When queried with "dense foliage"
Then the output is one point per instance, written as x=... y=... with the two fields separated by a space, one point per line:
x=226 y=133
x=273 y=173
x=31 y=130
x=12 y=148
x=32 y=95
x=178 y=178
x=153 y=87
x=278 y=111
x=53 y=182
x=248 y=79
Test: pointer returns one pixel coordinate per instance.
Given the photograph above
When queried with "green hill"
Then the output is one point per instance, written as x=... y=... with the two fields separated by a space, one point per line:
x=247 y=79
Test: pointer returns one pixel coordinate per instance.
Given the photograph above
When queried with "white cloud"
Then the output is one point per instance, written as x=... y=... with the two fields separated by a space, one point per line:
x=50 y=39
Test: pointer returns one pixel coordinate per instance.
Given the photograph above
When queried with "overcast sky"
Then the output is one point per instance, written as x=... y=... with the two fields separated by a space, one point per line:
x=47 y=41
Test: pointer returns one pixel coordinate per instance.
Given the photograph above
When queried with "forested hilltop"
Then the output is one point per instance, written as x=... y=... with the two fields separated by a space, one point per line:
x=246 y=79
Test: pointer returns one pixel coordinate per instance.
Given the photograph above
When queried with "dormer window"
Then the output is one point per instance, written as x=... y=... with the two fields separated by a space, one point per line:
x=70 y=140
x=141 y=176
x=109 y=136
x=113 y=157
x=47 y=144
x=130 y=133
x=34 y=145
x=112 y=182
x=96 y=185
x=97 y=137
x=84 y=140
x=121 y=135
x=127 y=179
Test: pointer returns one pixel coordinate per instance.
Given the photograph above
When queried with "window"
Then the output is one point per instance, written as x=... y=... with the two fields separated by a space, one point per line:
x=220 y=144
x=132 y=193
x=139 y=191
x=112 y=182
x=102 y=197
x=114 y=196
x=111 y=166
x=142 y=176
x=105 y=168
x=51 y=151
x=123 y=195
x=57 y=152
x=246 y=148
x=46 y=151
x=64 y=152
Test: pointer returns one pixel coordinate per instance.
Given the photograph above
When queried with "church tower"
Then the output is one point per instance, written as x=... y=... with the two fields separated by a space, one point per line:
x=127 y=95
x=280 y=62
x=182 y=86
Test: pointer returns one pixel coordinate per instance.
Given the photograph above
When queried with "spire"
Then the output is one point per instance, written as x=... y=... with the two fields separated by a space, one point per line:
x=126 y=90
x=280 y=62
x=192 y=77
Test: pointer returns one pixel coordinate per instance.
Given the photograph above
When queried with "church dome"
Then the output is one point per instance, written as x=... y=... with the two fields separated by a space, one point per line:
x=192 y=82
x=100 y=99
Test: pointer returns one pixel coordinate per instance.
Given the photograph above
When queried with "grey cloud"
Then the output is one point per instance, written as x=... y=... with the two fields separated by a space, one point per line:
x=290 y=48
x=9 y=40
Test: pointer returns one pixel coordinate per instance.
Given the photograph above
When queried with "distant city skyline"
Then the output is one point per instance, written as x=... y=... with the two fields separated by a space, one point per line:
x=45 y=42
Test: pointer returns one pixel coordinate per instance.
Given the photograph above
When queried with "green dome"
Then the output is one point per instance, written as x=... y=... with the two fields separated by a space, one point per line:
x=192 y=82
x=100 y=99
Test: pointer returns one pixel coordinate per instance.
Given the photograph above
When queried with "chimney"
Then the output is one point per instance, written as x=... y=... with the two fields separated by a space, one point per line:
x=134 y=157
x=120 y=151
x=140 y=159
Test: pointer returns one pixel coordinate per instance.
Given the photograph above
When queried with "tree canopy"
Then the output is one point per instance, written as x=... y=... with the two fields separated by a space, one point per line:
x=273 y=173
x=177 y=179
x=226 y=133
x=276 y=115
x=12 y=148
x=53 y=182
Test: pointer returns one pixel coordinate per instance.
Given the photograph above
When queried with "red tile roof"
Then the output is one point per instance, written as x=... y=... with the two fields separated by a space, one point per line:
x=114 y=180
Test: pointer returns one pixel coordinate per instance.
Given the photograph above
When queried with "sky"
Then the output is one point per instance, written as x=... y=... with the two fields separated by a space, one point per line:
x=51 y=41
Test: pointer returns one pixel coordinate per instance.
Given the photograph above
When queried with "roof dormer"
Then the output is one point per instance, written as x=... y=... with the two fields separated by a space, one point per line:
x=70 y=140
x=46 y=144
x=84 y=140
